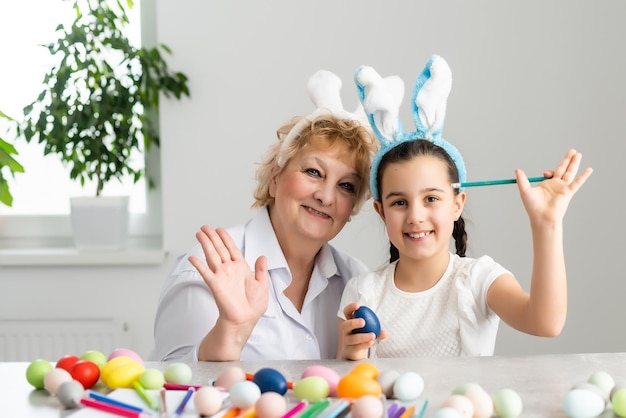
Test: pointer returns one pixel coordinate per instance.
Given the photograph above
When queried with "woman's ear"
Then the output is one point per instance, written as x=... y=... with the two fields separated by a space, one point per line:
x=272 y=188
x=378 y=207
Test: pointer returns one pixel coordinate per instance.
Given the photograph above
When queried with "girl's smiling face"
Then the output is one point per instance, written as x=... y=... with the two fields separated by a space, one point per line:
x=419 y=206
x=315 y=194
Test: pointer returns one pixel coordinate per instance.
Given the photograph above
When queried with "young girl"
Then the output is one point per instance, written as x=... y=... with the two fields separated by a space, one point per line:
x=431 y=302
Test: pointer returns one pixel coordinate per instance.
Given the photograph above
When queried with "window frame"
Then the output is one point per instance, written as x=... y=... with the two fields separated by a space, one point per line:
x=47 y=239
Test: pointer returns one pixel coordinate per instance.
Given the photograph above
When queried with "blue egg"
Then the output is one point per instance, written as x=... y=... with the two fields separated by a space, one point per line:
x=372 y=324
x=270 y=380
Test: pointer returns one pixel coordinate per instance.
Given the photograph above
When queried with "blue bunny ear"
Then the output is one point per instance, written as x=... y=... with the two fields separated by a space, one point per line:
x=381 y=99
x=430 y=97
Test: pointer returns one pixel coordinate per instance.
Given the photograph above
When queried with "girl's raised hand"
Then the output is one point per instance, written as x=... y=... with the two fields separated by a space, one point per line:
x=548 y=201
x=240 y=294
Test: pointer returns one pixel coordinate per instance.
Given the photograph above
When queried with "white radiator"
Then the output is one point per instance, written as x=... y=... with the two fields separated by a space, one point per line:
x=50 y=339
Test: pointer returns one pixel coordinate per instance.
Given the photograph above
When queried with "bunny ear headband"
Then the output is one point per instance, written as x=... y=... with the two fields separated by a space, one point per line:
x=323 y=89
x=381 y=99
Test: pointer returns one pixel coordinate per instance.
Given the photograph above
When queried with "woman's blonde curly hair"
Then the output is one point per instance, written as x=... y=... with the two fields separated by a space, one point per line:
x=332 y=131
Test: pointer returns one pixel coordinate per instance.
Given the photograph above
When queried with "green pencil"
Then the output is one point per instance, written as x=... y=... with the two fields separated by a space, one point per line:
x=141 y=391
x=493 y=182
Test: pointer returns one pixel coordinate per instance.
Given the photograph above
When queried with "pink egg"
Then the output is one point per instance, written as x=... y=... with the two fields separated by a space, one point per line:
x=208 y=400
x=481 y=400
x=119 y=352
x=368 y=406
x=328 y=374
x=270 y=405
x=229 y=377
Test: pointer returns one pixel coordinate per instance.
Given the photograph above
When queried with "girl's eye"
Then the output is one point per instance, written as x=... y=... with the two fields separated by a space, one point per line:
x=313 y=172
x=348 y=186
x=432 y=199
x=398 y=203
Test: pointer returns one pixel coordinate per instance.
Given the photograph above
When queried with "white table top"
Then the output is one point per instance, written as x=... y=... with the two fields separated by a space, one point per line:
x=541 y=381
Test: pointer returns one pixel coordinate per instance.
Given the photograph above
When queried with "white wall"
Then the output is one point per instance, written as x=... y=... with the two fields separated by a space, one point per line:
x=531 y=79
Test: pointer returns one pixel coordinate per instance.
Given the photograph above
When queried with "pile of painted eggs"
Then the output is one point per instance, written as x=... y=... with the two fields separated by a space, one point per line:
x=72 y=375
x=364 y=386
x=470 y=400
x=591 y=398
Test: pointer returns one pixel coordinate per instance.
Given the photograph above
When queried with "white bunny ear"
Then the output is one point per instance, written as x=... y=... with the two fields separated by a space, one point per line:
x=323 y=88
x=430 y=97
x=381 y=99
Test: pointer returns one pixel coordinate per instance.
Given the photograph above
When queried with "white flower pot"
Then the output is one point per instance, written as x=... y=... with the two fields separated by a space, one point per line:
x=100 y=223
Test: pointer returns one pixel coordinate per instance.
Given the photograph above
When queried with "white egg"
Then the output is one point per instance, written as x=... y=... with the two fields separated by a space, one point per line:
x=408 y=387
x=244 y=394
x=447 y=413
x=70 y=392
x=583 y=403
x=53 y=379
x=387 y=378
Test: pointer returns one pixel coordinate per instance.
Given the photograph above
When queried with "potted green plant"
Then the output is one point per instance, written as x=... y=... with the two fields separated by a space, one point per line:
x=8 y=166
x=98 y=106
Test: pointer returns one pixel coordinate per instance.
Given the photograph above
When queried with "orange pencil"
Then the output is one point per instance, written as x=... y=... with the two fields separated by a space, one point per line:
x=250 y=376
x=231 y=413
x=409 y=411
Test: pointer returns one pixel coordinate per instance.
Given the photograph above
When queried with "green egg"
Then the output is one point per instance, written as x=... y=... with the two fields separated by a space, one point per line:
x=619 y=402
x=602 y=380
x=179 y=373
x=152 y=379
x=311 y=388
x=36 y=371
x=507 y=403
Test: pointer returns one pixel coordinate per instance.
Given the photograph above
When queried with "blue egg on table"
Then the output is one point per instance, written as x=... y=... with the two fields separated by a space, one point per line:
x=372 y=324
x=270 y=380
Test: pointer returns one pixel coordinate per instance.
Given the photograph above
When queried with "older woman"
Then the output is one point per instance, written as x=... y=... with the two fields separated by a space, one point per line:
x=270 y=288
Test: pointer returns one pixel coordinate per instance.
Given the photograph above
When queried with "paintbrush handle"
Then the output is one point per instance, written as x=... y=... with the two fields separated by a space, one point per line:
x=494 y=182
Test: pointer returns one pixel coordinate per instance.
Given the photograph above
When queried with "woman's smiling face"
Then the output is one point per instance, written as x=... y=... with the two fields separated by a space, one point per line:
x=315 y=194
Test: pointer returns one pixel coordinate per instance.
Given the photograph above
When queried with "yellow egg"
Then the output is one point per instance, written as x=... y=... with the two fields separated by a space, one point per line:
x=111 y=365
x=121 y=372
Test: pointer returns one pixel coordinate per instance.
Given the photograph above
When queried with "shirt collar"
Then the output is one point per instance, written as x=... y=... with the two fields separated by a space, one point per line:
x=260 y=239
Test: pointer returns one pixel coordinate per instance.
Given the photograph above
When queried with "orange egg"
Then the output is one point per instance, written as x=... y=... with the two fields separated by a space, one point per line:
x=355 y=385
x=366 y=369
